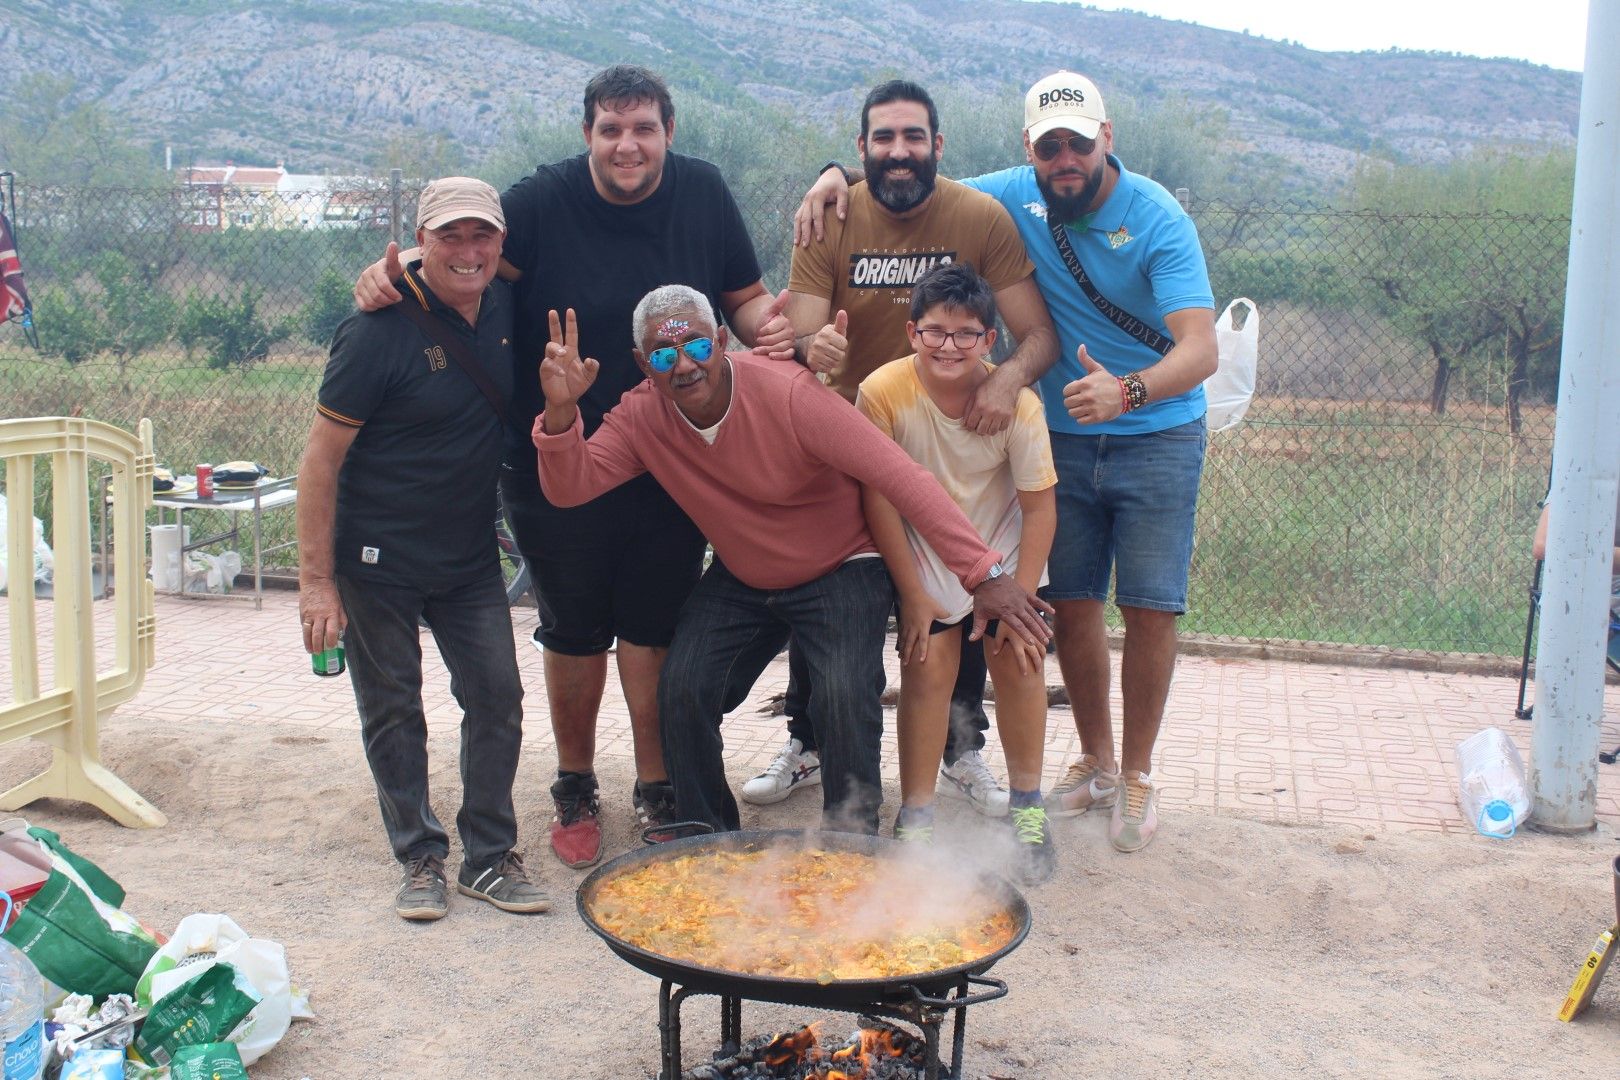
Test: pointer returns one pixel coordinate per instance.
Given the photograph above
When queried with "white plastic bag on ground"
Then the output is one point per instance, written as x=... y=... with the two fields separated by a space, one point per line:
x=211 y=573
x=1227 y=392
x=203 y=940
x=44 y=561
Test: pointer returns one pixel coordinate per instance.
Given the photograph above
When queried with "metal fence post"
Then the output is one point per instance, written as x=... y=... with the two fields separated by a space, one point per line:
x=395 y=216
x=1586 y=454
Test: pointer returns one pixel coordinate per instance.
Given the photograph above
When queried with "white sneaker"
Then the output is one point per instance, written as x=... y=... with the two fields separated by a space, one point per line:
x=792 y=769
x=971 y=779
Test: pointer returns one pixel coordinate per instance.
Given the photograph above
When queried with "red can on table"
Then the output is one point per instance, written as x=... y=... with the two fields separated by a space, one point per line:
x=205 y=481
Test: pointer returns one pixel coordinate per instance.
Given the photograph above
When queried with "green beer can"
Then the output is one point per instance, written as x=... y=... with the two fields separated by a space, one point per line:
x=328 y=661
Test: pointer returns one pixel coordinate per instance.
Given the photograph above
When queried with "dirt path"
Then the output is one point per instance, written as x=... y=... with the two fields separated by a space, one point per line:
x=1230 y=948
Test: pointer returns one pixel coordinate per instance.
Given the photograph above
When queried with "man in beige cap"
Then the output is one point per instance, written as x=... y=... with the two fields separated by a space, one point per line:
x=1118 y=263
x=395 y=524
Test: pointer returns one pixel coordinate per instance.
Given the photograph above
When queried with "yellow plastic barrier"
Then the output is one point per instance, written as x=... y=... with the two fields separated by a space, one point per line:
x=66 y=716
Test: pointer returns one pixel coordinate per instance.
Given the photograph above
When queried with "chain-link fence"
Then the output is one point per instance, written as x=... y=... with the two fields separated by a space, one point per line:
x=1382 y=490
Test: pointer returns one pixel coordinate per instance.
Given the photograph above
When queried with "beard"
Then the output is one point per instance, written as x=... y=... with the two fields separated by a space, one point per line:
x=898 y=195
x=1067 y=208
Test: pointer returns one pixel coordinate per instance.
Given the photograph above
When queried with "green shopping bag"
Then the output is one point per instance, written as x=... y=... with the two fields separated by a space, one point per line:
x=74 y=931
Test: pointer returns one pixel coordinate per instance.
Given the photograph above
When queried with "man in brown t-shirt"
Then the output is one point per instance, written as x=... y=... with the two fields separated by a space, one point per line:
x=902 y=222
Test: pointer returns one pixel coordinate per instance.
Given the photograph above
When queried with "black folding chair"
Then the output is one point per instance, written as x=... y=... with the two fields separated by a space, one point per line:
x=1611 y=658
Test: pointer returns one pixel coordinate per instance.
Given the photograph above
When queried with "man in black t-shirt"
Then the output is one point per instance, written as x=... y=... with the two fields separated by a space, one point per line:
x=595 y=233
x=395 y=523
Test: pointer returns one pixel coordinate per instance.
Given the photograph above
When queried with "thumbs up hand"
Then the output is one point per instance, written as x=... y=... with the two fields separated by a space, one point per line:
x=830 y=346
x=375 y=287
x=1095 y=398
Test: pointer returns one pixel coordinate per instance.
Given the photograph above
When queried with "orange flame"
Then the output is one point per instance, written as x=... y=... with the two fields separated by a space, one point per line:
x=852 y=1062
x=793 y=1047
x=863 y=1054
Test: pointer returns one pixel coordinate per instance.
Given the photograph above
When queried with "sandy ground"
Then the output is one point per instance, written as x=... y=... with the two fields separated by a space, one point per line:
x=1230 y=948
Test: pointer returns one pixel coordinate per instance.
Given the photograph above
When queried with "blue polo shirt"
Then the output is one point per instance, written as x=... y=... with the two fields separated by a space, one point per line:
x=1141 y=251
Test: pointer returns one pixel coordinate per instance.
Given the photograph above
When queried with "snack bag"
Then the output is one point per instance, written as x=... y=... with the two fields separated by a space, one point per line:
x=208 y=1061
x=204 y=1010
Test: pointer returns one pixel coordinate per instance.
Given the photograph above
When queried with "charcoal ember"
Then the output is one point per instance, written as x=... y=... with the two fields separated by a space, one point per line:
x=894 y=1054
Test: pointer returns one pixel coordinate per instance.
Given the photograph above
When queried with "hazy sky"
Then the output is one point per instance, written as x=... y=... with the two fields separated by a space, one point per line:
x=1551 y=32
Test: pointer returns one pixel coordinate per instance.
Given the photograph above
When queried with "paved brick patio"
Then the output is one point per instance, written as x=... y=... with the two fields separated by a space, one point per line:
x=1307 y=743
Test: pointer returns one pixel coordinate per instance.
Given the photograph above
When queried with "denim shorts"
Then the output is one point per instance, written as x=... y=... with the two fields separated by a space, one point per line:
x=1126 y=505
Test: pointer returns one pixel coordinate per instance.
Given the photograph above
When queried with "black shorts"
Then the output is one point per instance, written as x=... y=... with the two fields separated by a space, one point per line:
x=969 y=648
x=620 y=566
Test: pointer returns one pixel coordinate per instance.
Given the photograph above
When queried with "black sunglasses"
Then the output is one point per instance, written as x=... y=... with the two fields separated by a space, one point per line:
x=1048 y=148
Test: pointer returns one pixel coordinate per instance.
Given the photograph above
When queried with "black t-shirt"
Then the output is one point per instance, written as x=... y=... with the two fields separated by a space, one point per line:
x=416 y=492
x=577 y=250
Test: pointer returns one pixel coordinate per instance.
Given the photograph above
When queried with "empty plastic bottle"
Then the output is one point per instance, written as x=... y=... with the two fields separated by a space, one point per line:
x=1491 y=787
x=22 y=1015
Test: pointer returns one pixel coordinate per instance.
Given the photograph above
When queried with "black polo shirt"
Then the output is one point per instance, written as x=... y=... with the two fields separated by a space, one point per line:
x=416 y=493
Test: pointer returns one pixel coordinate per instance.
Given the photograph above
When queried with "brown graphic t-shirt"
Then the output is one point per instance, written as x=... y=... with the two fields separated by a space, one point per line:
x=869 y=262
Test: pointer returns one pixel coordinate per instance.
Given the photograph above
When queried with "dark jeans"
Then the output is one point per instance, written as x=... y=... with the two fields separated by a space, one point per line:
x=728 y=632
x=968 y=721
x=473 y=627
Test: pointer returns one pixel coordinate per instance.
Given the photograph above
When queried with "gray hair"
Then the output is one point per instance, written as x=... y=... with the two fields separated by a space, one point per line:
x=667 y=300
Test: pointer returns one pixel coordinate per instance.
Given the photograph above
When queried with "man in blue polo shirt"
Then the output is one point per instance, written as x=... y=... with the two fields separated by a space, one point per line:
x=1118 y=262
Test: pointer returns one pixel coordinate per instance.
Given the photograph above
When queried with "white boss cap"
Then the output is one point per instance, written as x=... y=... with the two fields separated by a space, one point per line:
x=1064 y=100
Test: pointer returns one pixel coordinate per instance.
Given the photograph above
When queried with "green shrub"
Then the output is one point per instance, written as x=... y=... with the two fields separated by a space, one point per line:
x=120 y=311
x=70 y=324
x=331 y=302
x=229 y=332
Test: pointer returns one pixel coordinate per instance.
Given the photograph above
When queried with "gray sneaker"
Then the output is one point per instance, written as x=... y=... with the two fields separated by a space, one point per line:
x=971 y=779
x=423 y=896
x=506 y=885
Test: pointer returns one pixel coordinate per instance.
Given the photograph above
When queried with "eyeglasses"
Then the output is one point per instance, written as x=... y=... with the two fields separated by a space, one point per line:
x=934 y=337
x=699 y=349
x=1047 y=149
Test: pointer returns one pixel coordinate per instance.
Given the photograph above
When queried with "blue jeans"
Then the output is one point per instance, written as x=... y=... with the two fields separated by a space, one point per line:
x=472 y=625
x=1126 y=505
x=728 y=632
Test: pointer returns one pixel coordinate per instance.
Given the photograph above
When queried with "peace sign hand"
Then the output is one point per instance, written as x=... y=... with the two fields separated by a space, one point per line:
x=564 y=377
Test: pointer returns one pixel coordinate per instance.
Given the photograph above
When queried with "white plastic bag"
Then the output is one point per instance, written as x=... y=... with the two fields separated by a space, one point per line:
x=44 y=561
x=211 y=573
x=1227 y=392
x=1491 y=786
x=203 y=940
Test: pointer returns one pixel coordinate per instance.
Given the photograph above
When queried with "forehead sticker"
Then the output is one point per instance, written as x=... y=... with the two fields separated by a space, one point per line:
x=672 y=327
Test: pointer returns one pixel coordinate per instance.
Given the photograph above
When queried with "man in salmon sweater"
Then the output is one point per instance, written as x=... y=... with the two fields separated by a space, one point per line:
x=769 y=464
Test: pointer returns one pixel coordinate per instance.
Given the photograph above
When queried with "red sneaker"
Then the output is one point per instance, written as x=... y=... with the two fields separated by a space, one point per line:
x=576 y=835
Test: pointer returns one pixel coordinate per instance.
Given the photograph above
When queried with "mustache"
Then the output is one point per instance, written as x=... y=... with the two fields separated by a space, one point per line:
x=891 y=165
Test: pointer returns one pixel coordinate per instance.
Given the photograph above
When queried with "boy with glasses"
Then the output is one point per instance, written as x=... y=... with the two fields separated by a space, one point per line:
x=1004 y=484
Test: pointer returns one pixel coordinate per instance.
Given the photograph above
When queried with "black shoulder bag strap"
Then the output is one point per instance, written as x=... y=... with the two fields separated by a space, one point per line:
x=441 y=336
x=1115 y=314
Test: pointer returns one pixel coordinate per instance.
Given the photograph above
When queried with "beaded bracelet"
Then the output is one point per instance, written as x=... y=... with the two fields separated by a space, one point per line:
x=1134 y=390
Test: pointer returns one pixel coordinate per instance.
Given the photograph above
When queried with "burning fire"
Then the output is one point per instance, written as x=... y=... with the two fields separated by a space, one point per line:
x=854 y=1061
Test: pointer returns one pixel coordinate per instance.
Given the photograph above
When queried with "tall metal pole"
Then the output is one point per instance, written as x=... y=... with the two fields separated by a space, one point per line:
x=395 y=205
x=1586 y=460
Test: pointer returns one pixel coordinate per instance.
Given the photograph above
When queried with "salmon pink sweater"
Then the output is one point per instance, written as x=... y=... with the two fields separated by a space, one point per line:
x=778 y=494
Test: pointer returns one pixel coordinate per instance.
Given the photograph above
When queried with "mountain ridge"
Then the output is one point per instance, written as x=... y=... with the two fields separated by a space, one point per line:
x=326 y=85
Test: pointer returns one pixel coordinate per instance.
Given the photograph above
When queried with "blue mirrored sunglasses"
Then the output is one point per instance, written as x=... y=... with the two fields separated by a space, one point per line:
x=699 y=349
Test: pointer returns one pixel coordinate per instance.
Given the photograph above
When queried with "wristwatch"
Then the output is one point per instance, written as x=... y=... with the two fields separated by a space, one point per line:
x=994 y=572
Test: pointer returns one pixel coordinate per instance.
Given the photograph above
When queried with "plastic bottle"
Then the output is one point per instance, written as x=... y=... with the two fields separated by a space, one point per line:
x=1491 y=787
x=22 y=1011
